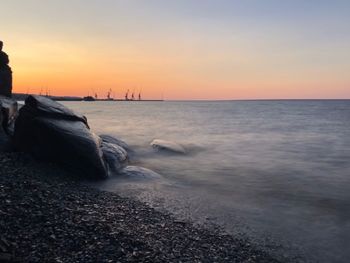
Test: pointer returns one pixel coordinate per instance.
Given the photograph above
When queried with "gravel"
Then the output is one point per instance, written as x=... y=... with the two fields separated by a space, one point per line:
x=46 y=216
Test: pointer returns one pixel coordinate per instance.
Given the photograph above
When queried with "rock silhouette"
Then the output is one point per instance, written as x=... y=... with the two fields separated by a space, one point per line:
x=5 y=74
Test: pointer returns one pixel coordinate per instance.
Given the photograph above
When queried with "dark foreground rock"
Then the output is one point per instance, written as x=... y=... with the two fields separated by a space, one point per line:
x=8 y=113
x=47 y=217
x=52 y=132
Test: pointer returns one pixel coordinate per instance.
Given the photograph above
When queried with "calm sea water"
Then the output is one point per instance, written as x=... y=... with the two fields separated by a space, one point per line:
x=277 y=172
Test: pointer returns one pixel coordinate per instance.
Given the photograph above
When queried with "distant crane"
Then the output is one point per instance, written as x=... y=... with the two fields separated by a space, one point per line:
x=139 y=97
x=127 y=95
x=109 y=94
x=47 y=92
x=94 y=93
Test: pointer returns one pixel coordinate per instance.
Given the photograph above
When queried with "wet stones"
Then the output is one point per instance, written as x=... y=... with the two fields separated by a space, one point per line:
x=51 y=132
x=115 y=156
x=113 y=140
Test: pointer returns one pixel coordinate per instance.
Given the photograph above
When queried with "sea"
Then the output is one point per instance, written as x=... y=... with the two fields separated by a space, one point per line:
x=274 y=172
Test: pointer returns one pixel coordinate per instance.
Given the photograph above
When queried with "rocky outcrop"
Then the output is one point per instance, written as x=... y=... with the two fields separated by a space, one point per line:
x=52 y=132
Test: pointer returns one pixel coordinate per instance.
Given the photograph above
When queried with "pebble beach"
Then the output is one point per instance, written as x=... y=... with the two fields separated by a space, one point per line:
x=47 y=216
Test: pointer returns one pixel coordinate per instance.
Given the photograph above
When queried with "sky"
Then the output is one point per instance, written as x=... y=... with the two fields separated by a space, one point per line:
x=180 y=49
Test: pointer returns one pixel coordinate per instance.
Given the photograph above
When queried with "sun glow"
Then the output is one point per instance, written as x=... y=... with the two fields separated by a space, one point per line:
x=205 y=55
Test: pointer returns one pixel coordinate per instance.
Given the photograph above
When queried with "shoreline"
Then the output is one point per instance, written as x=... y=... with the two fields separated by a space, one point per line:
x=46 y=216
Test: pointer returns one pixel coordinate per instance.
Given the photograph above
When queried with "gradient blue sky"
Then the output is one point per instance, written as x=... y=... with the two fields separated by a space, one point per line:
x=185 y=49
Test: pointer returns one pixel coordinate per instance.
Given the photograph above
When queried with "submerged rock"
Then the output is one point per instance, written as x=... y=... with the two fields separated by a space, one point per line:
x=115 y=156
x=168 y=146
x=136 y=172
x=52 y=132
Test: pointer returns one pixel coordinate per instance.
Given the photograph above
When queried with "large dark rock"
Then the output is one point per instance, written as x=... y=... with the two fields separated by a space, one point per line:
x=52 y=132
x=8 y=114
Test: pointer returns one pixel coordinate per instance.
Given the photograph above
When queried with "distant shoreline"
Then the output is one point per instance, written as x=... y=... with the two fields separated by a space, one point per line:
x=22 y=97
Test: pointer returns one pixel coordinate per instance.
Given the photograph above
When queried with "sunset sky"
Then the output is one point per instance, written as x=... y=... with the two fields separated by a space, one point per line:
x=184 y=49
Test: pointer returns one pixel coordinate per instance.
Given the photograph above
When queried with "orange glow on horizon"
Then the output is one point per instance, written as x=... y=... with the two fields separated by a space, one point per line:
x=80 y=70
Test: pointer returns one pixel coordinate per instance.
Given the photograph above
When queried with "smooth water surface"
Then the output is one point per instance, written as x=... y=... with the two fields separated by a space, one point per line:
x=275 y=171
